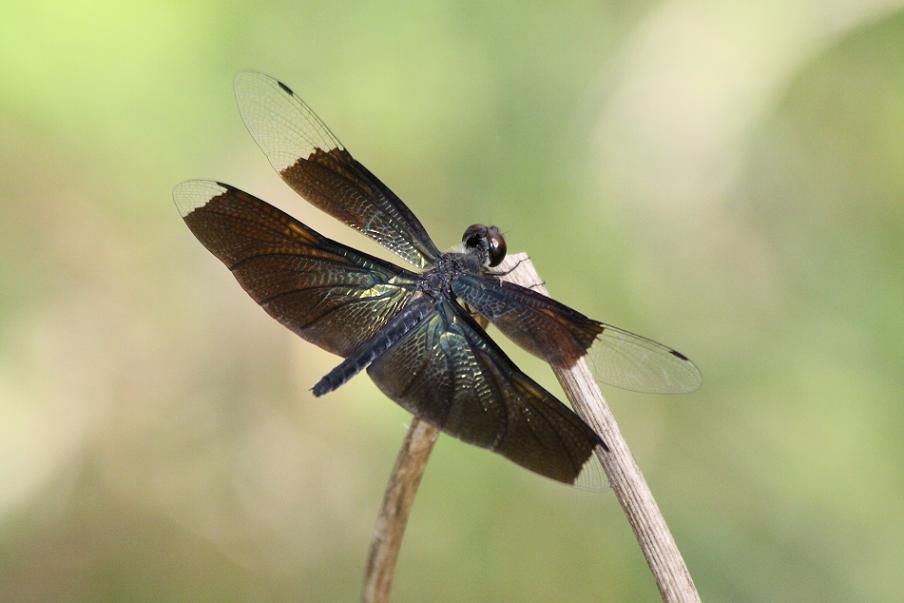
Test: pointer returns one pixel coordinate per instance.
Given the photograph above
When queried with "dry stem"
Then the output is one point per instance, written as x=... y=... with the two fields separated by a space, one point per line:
x=393 y=517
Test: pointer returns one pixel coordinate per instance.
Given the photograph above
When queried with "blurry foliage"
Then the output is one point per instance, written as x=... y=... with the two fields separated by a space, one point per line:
x=727 y=179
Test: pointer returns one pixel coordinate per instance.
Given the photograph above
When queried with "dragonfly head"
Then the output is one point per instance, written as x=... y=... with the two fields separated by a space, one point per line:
x=485 y=241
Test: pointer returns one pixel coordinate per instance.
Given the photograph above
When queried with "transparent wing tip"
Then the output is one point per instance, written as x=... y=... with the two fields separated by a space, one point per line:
x=249 y=80
x=684 y=378
x=592 y=476
x=192 y=194
x=638 y=364
x=281 y=124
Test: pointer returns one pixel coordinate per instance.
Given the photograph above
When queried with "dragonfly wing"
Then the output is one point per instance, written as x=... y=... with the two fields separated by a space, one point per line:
x=448 y=372
x=561 y=335
x=317 y=166
x=329 y=294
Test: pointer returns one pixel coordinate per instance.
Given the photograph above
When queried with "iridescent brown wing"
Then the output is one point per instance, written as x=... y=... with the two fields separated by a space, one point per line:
x=561 y=335
x=329 y=294
x=313 y=162
x=449 y=373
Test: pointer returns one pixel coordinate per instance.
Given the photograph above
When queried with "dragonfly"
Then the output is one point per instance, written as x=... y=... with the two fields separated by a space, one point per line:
x=418 y=332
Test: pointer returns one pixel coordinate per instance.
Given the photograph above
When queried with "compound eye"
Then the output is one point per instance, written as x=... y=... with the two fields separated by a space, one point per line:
x=496 y=246
x=473 y=235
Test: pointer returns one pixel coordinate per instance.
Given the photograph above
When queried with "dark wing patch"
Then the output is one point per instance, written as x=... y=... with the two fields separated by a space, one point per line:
x=329 y=294
x=315 y=164
x=539 y=324
x=449 y=373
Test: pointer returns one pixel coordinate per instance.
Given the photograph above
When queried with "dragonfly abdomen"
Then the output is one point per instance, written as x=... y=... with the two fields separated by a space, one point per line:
x=367 y=352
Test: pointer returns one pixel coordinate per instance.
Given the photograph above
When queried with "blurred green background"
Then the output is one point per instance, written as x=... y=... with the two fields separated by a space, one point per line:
x=725 y=177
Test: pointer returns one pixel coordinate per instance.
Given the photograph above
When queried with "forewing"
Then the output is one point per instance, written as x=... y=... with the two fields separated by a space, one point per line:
x=561 y=335
x=449 y=373
x=329 y=294
x=315 y=164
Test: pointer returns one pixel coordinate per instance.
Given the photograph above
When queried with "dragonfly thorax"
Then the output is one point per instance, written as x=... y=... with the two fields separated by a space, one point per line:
x=439 y=276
